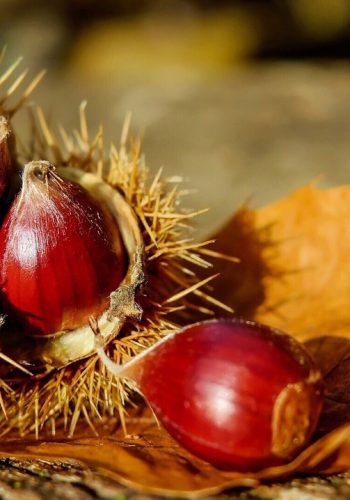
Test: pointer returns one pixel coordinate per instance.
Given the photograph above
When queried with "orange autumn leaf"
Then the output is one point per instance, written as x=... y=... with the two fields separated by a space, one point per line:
x=295 y=265
x=149 y=460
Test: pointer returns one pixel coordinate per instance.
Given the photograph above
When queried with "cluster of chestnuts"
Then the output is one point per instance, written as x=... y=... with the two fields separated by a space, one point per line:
x=237 y=394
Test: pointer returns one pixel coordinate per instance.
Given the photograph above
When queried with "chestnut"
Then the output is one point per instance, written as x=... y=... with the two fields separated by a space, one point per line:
x=236 y=393
x=66 y=254
x=60 y=254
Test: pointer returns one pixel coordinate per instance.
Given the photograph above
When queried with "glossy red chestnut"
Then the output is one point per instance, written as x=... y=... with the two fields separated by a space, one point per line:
x=237 y=394
x=60 y=254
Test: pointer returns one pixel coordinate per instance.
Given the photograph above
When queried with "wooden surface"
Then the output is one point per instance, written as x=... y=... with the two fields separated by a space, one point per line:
x=66 y=480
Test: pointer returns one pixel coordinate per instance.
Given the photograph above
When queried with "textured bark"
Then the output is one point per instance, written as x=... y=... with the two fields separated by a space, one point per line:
x=63 y=480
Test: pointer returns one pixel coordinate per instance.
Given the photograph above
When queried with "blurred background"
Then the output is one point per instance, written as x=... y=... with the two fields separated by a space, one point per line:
x=246 y=99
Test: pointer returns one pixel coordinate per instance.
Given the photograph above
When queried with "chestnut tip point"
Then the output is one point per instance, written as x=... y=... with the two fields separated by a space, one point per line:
x=40 y=169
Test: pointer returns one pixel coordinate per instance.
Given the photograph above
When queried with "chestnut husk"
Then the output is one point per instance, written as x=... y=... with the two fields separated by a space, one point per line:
x=67 y=382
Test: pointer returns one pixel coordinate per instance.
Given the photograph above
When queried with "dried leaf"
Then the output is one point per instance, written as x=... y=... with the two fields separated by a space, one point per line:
x=149 y=460
x=310 y=296
x=241 y=285
x=301 y=259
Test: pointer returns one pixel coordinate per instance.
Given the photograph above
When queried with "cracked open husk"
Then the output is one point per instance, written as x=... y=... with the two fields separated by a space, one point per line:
x=68 y=383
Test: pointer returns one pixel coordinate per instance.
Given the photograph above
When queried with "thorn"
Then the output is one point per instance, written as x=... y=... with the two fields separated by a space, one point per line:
x=84 y=130
x=10 y=70
x=125 y=132
x=16 y=83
